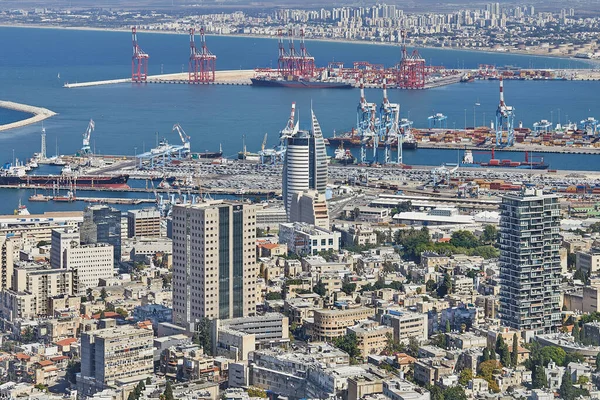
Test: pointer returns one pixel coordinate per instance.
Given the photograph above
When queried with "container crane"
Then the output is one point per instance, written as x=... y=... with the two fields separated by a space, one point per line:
x=185 y=139
x=365 y=124
x=85 y=149
x=389 y=129
x=505 y=117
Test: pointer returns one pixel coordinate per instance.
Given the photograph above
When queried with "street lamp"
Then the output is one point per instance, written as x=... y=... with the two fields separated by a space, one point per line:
x=465 y=119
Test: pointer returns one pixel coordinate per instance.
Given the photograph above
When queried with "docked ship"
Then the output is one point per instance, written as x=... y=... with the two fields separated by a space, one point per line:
x=296 y=82
x=528 y=163
x=9 y=177
x=343 y=156
x=351 y=139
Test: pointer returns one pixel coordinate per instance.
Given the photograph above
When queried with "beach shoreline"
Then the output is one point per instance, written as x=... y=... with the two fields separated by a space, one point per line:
x=591 y=62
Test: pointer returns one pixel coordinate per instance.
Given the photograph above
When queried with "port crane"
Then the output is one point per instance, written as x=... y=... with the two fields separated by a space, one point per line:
x=139 y=60
x=185 y=139
x=85 y=149
x=389 y=130
x=505 y=118
x=365 y=124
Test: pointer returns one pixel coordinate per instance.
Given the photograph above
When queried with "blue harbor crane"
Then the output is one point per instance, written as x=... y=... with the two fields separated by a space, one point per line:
x=438 y=120
x=505 y=118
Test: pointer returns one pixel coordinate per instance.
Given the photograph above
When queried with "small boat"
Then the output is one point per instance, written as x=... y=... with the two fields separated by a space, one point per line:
x=39 y=198
x=21 y=209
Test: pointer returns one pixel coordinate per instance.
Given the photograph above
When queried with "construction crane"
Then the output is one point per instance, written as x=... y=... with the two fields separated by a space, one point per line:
x=505 y=118
x=85 y=149
x=267 y=154
x=185 y=139
x=139 y=60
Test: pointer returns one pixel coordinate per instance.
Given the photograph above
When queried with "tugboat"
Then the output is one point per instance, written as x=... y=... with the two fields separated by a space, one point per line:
x=343 y=156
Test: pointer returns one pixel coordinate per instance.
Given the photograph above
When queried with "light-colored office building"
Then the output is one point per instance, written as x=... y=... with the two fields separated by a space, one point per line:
x=370 y=336
x=305 y=166
x=269 y=218
x=305 y=239
x=214 y=261
x=329 y=324
x=310 y=207
x=113 y=356
x=143 y=223
x=89 y=264
x=530 y=261
x=62 y=239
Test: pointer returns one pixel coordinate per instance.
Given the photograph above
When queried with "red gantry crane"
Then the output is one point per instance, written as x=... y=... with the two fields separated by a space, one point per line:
x=139 y=60
x=411 y=71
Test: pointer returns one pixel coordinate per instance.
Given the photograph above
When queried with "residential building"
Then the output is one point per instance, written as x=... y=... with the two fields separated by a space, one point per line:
x=400 y=389
x=214 y=261
x=588 y=261
x=38 y=227
x=62 y=239
x=143 y=223
x=269 y=218
x=310 y=207
x=530 y=261
x=89 y=264
x=329 y=324
x=305 y=166
x=32 y=287
x=113 y=355
x=427 y=371
x=370 y=336
x=7 y=250
x=305 y=239
x=406 y=324
x=356 y=235
x=102 y=224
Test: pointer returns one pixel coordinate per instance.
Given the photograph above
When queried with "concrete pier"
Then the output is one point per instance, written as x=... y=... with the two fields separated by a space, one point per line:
x=232 y=77
x=39 y=114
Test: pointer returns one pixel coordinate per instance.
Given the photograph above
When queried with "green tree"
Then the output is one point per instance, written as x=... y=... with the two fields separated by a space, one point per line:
x=102 y=314
x=148 y=381
x=448 y=328
x=464 y=239
x=254 y=391
x=574 y=357
x=455 y=393
x=320 y=289
x=490 y=234
x=122 y=312
x=349 y=344
x=413 y=347
x=436 y=392
x=430 y=285
x=393 y=346
x=168 y=393
x=554 y=353
x=465 y=376
x=486 y=355
x=348 y=288
x=566 y=390
x=202 y=336
x=273 y=296
x=538 y=377
x=445 y=287
x=583 y=380
x=515 y=351
x=73 y=368
x=575 y=332
x=103 y=294
x=571 y=260
x=598 y=362
x=28 y=335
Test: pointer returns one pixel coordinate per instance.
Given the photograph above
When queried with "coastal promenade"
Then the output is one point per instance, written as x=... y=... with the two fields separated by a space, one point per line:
x=39 y=114
x=231 y=77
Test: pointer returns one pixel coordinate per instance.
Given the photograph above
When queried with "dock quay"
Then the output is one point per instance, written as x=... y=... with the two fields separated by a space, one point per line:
x=231 y=77
x=39 y=114
x=515 y=148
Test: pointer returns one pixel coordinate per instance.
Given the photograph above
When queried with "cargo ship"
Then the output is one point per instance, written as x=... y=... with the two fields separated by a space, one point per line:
x=351 y=139
x=343 y=156
x=468 y=161
x=300 y=83
x=10 y=178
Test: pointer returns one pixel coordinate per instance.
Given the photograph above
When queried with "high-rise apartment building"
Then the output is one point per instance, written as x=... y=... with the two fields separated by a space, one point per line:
x=102 y=224
x=110 y=357
x=305 y=166
x=89 y=264
x=530 y=261
x=214 y=261
x=7 y=248
x=310 y=207
x=62 y=239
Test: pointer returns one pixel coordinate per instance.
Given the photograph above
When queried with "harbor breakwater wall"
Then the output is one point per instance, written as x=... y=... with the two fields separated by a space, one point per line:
x=38 y=114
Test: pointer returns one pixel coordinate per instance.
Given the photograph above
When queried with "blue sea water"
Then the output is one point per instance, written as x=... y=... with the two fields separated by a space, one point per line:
x=128 y=116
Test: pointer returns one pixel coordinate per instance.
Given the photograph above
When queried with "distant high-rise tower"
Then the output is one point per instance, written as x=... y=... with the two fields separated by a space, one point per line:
x=305 y=166
x=214 y=262
x=530 y=261
x=43 y=149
